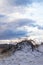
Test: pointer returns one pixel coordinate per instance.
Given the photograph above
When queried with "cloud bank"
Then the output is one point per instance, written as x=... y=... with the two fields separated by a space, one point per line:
x=20 y=18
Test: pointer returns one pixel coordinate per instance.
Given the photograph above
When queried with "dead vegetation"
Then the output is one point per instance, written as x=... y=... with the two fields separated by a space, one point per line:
x=6 y=48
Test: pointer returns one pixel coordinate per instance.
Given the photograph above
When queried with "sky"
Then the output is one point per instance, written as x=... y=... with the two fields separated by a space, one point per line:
x=21 y=18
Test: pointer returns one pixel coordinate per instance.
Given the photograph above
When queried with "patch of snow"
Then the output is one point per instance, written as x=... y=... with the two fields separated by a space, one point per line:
x=25 y=56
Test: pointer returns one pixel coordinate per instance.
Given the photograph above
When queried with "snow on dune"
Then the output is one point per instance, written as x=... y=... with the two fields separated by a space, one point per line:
x=24 y=56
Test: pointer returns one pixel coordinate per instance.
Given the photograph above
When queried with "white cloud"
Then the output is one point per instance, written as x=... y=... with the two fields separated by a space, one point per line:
x=12 y=13
x=33 y=32
x=34 y=12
